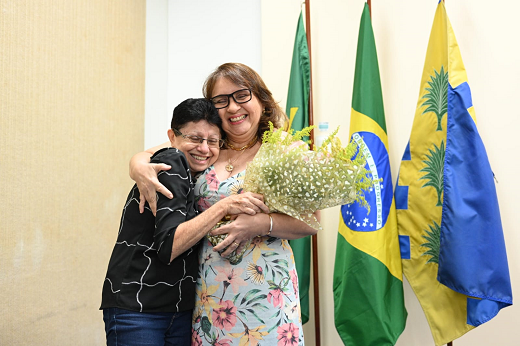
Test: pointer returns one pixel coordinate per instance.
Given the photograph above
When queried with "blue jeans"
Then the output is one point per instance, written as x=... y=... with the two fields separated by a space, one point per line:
x=131 y=328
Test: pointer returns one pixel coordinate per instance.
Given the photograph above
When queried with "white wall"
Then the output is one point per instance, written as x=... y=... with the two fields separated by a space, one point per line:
x=156 y=73
x=186 y=40
x=486 y=34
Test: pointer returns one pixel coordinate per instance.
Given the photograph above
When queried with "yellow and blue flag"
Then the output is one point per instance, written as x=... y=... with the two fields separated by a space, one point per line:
x=368 y=281
x=452 y=243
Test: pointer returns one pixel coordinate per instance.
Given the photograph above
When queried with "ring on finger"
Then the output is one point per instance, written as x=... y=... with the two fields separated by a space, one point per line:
x=236 y=244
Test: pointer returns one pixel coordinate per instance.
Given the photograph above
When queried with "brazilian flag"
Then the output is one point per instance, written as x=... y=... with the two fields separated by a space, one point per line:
x=368 y=281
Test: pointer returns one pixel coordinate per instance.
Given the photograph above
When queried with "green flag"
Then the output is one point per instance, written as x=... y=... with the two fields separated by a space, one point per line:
x=368 y=280
x=298 y=109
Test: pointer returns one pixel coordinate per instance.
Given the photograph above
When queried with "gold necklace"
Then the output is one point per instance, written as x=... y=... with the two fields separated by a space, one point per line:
x=229 y=166
x=247 y=146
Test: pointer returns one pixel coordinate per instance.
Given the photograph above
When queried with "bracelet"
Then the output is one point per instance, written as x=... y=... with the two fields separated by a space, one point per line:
x=268 y=234
x=270 y=225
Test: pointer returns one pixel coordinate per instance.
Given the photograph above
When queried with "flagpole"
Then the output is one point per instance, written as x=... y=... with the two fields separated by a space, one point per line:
x=314 y=238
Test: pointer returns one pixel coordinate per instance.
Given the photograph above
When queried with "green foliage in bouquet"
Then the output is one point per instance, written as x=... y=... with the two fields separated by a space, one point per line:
x=297 y=181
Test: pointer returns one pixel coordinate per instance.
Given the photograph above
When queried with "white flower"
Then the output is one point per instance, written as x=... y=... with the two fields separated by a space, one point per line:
x=298 y=181
x=209 y=256
x=292 y=310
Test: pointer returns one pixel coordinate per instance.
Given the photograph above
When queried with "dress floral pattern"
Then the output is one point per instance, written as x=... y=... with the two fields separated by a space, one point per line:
x=254 y=302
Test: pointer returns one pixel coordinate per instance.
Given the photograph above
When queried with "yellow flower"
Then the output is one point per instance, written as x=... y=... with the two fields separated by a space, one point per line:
x=250 y=337
x=255 y=273
x=205 y=300
x=237 y=187
x=286 y=246
x=258 y=244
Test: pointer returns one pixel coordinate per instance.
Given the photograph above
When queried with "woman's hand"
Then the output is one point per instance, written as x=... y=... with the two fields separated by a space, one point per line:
x=149 y=185
x=144 y=174
x=245 y=203
x=244 y=227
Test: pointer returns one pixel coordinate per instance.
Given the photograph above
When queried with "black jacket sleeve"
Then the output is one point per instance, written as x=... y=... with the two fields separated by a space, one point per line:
x=172 y=212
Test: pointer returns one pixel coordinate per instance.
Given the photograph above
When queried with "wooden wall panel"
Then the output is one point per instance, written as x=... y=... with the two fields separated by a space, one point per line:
x=71 y=116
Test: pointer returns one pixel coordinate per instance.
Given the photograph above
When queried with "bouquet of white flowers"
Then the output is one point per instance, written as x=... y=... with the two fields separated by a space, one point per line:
x=297 y=181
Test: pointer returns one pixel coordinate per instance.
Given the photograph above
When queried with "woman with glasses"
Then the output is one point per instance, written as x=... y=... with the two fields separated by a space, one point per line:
x=149 y=290
x=255 y=301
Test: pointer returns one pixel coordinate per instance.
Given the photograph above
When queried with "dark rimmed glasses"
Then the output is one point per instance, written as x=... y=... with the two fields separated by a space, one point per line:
x=239 y=96
x=212 y=142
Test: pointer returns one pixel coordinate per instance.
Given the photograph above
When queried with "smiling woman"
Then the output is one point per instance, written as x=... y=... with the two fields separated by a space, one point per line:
x=149 y=289
x=255 y=299
x=191 y=143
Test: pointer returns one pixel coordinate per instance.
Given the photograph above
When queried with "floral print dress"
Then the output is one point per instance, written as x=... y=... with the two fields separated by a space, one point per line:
x=254 y=302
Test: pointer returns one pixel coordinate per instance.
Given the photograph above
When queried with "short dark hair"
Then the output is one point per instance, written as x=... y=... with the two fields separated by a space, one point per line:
x=195 y=110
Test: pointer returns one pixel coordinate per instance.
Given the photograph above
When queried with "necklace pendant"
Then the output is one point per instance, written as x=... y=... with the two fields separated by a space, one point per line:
x=229 y=167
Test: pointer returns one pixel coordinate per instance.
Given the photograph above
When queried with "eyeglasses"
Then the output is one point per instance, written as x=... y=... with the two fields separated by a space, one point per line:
x=239 y=96
x=212 y=142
